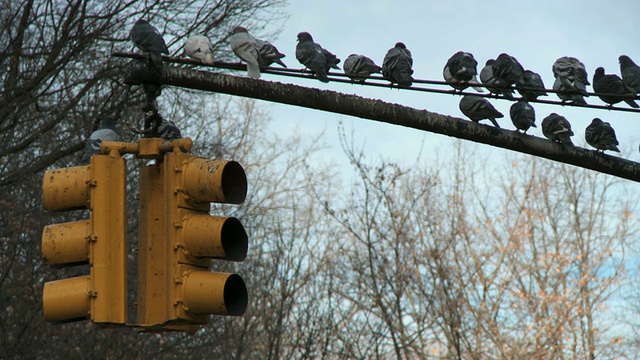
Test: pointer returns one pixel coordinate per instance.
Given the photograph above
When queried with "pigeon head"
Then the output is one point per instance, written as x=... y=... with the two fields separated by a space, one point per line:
x=107 y=123
x=141 y=22
x=238 y=29
x=489 y=62
x=625 y=61
x=596 y=121
x=400 y=45
x=304 y=37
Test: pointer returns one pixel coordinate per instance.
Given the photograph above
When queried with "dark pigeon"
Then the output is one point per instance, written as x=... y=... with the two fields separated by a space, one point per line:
x=611 y=84
x=168 y=130
x=630 y=74
x=571 y=80
x=557 y=128
x=396 y=66
x=460 y=70
x=105 y=132
x=601 y=136
x=315 y=57
x=531 y=86
x=360 y=67
x=493 y=84
x=269 y=54
x=507 y=69
x=523 y=115
x=147 y=38
x=478 y=108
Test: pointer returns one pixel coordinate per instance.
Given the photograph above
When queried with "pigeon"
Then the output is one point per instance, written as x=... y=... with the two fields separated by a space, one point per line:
x=269 y=54
x=396 y=66
x=359 y=67
x=557 y=128
x=571 y=76
x=478 y=108
x=601 y=136
x=200 y=48
x=492 y=83
x=522 y=115
x=530 y=86
x=245 y=47
x=105 y=132
x=315 y=57
x=168 y=130
x=147 y=38
x=630 y=74
x=460 y=69
x=507 y=69
x=611 y=84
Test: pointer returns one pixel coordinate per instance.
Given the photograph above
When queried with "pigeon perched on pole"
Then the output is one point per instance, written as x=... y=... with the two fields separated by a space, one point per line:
x=168 y=130
x=359 y=67
x=493 y=84
x=522 y=115
x=148 y=39
x=460 y=70
x=105 y=132
x=557 y=128
x=245 y=47
x=269 y=54
x=571 y=80
x=601 y=136
x=315 y=57
x=507 y=69
x=630 y=74
x=531 y=86
x=611 y=84
x=478 y=108
x=396 y=66
x=199 y=47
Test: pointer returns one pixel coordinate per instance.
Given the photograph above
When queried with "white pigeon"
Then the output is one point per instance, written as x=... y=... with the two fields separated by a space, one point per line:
x=200 y=48
x=105 y=132
x=245 y=47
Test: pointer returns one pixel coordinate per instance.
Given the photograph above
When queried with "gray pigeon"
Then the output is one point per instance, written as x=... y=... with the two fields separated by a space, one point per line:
x=199 y=47
x=269 y=54
x=359 y=67
x=168 y=130
x=245 y=47
x=507 y=69
x=571 y=80
x=557 y=128
x=315 y=57
x=630 y=74
x=522 y=115
x=460 y=70
x=105 y=132
x=147 y=38
x=611 y=84
x=478 y=108
x=396 y=66
x=601 y=136
x=531 y=86
x=493 y=84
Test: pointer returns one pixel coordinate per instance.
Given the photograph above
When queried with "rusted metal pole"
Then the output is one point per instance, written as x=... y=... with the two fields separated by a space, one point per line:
x=332 y=101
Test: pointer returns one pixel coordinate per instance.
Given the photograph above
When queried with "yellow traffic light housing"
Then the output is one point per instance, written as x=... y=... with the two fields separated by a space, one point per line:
x=178 y=237
x=99 y=241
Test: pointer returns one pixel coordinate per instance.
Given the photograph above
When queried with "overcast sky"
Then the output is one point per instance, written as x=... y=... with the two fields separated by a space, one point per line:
x=535 y=32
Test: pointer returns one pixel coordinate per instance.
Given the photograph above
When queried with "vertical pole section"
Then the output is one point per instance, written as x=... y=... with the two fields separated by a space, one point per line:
x=153 y=275
x=107 y=242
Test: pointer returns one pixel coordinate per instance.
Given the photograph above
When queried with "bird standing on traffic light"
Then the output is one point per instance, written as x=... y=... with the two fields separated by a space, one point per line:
x=105 y=132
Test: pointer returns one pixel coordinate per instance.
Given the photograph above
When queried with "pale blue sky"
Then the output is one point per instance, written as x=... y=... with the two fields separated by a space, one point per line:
x=535 y=32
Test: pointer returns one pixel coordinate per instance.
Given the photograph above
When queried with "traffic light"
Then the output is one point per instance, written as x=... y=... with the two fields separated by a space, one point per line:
x=178 y=237
x=99 y=241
